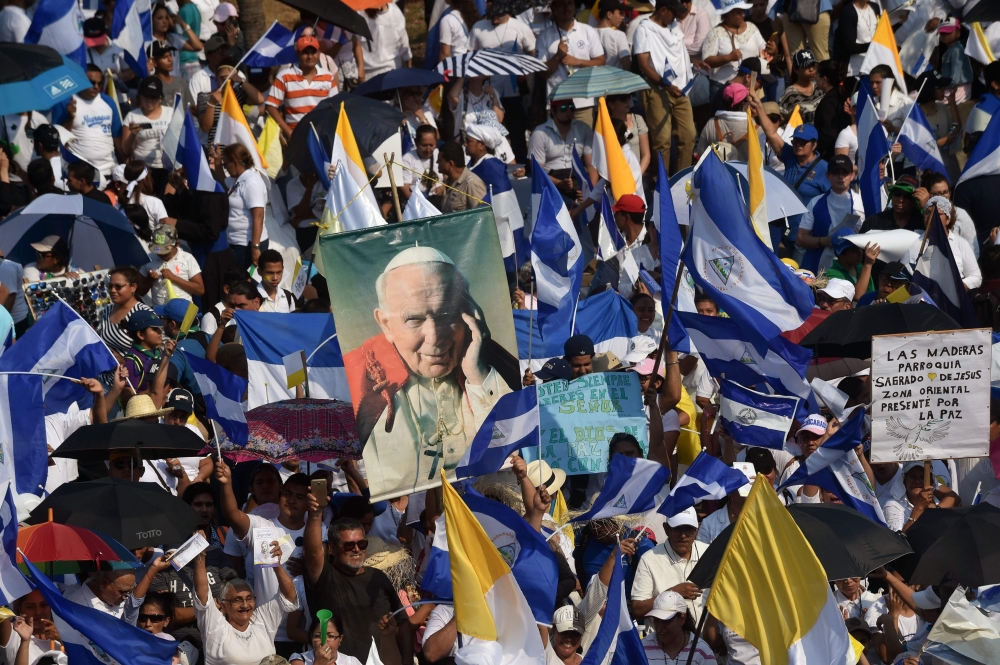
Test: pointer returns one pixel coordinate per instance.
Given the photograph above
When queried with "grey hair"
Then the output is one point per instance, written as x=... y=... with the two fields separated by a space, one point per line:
x=447 y=272
x=237 y=585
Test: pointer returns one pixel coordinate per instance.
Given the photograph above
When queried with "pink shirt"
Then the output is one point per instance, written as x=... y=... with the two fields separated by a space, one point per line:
x=696 y=26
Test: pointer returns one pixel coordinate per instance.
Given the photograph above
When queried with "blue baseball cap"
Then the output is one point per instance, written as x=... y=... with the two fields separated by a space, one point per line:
x=806 y=133
x=175 y=310
x=143 y=319
x=837 y=240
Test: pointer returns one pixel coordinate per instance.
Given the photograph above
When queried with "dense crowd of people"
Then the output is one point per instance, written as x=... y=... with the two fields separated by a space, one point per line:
x=707 y=65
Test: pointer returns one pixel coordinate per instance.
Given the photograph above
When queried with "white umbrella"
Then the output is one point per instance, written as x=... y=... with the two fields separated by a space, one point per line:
x=490 y=62
x=782 y=200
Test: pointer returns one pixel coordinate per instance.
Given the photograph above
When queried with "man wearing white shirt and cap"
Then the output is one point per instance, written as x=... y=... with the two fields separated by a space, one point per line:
x=667 y=566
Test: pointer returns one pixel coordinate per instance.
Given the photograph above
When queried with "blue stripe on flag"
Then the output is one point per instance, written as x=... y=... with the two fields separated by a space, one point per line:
x=512 y=424
x=706 y=478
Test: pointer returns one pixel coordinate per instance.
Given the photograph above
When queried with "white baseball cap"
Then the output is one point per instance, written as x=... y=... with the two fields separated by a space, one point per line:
x=726 y=6
x=839 y=289
x=684 y=518
x=667 y=605
x=568 y=618
x=639 y=348
x=926 y=599
x=814 y=423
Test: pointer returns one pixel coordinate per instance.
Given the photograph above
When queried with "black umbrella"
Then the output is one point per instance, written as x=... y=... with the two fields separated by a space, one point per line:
x=150 y=440
x=371 y=120
x=135 y=514
x=984 y=12
x=966 y=552
x=848 y=333
x=335 y=12
x=384 y=86
x=847 y=543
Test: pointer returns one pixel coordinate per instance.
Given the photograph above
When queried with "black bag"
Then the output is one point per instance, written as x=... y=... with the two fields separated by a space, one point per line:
x=803 y=11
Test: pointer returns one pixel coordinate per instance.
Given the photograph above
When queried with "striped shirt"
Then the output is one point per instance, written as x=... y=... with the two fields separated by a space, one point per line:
x=298 y=96
x=115 y=335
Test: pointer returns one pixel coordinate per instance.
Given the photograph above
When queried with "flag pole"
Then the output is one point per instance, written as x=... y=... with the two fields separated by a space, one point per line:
x=927 y=230
x=531 y=317
x=389 y=159
x=252 y=49
x=572 y=324
x=697 y=633
x=909 y=111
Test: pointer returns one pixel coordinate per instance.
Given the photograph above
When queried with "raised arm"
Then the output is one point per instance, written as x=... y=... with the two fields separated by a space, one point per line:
x=312 y=543
x=238 y=520
x=770 y=129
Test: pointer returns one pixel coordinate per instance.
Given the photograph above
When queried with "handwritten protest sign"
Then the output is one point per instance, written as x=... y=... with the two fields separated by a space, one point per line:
x=931 y=395
x=579 y=417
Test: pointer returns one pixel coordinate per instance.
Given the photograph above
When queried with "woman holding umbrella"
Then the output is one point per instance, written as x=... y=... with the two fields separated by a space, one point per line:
x=241 y=633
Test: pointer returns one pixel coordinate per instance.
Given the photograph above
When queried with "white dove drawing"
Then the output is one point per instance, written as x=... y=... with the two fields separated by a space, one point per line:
x=927 y=432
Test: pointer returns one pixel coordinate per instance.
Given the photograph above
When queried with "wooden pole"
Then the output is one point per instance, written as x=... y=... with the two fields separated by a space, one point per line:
x=927 y=473
x=392 y=182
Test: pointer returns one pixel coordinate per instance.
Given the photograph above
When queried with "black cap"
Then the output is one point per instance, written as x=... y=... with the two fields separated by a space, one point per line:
x=47 y=137
x=751 y=64
x=151 y=87
x=840 y=163
x=180 y=400
x=578 y=345
x=94 y=27
x=612 y=5
x=214 y=43
x=762 y=460
x=159 y=49
x=556 y=368
x=803 y=58
x=896 y=270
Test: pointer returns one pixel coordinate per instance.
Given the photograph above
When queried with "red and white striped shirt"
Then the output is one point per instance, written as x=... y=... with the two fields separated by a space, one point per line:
x=298 y=96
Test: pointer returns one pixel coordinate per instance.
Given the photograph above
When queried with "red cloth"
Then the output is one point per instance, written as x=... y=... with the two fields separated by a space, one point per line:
x=817 y=317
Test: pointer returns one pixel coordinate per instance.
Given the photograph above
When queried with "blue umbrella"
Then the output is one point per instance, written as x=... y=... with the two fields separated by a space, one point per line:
x=97 y=234
x=36 y=78
x=398 y=78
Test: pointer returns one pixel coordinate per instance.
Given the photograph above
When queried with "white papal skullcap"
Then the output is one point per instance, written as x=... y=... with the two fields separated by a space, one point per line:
x=413 y=255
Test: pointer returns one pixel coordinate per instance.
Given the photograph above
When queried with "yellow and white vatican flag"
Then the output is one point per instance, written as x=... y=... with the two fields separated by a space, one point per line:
x=233 y=127
x=608 y=157
x=489 y=605
x=345 y=150
x=883 y=51
x=755 y=175
x=978 y=47
x=794 y=121
x=269 y=144
x=772 y=590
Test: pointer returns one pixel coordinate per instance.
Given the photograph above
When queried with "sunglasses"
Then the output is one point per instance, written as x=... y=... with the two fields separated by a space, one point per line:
x=118 y=287
x=152 y=618
x=566 y=107
x=350 y=546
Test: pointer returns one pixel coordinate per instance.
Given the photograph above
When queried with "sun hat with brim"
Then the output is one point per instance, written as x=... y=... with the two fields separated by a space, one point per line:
x=726 y=6
x=46 y=244
x=142 y=406
x=540 y=473
x=607 y=361
x=667 y=605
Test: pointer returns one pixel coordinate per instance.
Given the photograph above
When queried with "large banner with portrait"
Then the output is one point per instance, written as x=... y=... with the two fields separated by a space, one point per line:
x=423 y=317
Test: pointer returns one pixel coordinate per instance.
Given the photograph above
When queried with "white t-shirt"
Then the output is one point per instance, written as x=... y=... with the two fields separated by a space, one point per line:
x=454 y=32
x=413 y=161
x=848 y=138
x=513 y=36
x=147 y=146
x=389 y=46
x=584 y=43
x=720 y=42
x=14 y=24
x=182 y=265
x=965 y=260
x=713 y=525
x=668 y=55
x=661 y=568
x=92 y=132
x=867 y=22
x=247 y=193
x=238 y=547
x=36 y=648
x=12 y=276
x=615 y=45
x=154 y=208
x=58 y=427
x=438 y=619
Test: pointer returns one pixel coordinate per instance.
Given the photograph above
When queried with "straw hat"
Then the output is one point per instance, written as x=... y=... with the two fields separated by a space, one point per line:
x=141 y=406
x=392 y=559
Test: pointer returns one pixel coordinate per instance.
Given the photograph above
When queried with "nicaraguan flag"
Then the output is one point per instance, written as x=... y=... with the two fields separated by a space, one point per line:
x=512 y=424
x=617 y=640
x=671 y=243
x=556 y=257
x=276 y=47
x=269 y=337
x=606 y=318
x=22 y=433
x=523 y=549
x=223 y=393
x=919 y=142
x=92 y=637
x=609 y=238
x=731 y=263
x=915 y=52
x=181 y=147
x=61 y=342
x=747 y=358
x=506 y=210
x=756 y=419
x=985 y=157
x=706 y=478
x=988 y=598
x=59 y=24
x=937 y=273
x=12 y=582
x=320 y=158
x=632 y=486
x=127 y=32
x=846 y=438
x=418 y=207
x=872 y=147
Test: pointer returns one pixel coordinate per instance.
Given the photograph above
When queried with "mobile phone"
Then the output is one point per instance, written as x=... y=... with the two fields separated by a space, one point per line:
x=145 y=125
x=318 y=486
x=753 y=81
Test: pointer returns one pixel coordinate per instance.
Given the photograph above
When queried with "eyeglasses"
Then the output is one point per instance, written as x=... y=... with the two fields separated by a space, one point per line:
x=123 y=592
x=566 y=107
x=350 y=546
x=152 y=618
x=44 y=255
x=240 y=600
x=331 y=636
x=118 y=287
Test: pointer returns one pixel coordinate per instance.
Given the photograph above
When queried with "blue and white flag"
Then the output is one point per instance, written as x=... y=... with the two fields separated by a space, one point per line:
x=556 y=257
x=586 y=189
x=12 y=582
x=844 y=439
x=936 y=272
x=182 y=148
x=418 y=207
x=276 y=47
x=985 y=157
x=915 y=51
x=872 y=147
x=92 y=637
x=320 y=157
x=269 y=337
x=756 y=419
x=513 y=424
x=731 y=263
x=633 y=485
x=609 y=238
x=617 y=640
x=223 y=392
x=59 y=24
x=920 y=142
x=61 y=342
x=525 y=550
x=671 y=244
x=606 y=318
x=506 y=210
x=127 y=32
x=706 y=478
x=22 y=432
x=988 y=598
x=748 y=359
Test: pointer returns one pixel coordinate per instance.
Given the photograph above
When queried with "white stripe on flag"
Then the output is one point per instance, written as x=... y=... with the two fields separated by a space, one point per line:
x=738 y=412
x=514 y=429
x=227 y=408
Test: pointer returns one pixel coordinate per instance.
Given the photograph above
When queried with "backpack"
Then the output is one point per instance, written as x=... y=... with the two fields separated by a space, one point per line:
x=803 y=11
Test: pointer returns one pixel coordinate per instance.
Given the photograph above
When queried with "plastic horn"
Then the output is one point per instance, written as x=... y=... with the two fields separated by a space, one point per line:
x=324 y=617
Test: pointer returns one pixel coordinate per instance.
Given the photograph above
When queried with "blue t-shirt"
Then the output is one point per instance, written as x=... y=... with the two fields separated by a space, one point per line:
x=814 y=184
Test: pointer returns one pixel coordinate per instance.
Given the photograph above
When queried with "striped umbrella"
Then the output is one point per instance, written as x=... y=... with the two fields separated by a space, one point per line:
x=598 y=82
x=490 y=62
x=97 y=234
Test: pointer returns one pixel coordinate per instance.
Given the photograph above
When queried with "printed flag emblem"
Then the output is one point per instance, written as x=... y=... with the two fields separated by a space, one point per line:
x=723 y=267
x=748 y=416
x=747 y=358
x=621 y=503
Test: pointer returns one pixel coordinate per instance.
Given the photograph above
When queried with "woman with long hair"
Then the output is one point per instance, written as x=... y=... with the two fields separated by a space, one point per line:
x=135 y=185
x=164 y=26
x=803 y=91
